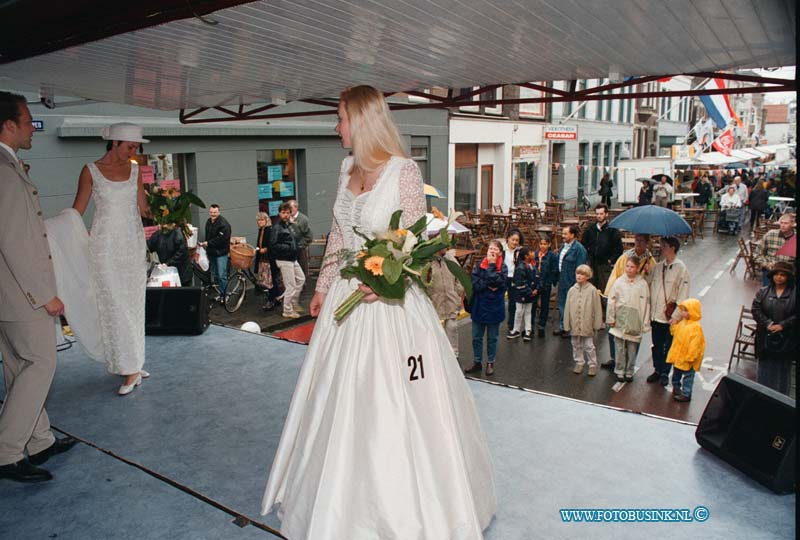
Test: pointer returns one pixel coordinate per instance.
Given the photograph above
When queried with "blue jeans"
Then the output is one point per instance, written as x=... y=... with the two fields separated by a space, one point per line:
x=491 y=331
x=541 y=304
x=685 y=386
x=662 y=341
x=562 y=302
x=219 y=269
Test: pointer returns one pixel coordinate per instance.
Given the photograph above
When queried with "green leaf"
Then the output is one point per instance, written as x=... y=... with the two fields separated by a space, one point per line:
x=392 y=270
x=394 y=223
x=419 y=226
x=381 y=250
x=461 y=276
x=426 y=252
x=194 y=199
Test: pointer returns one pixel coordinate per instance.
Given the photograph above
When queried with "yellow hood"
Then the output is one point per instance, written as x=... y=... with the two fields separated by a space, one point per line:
x=693 y=306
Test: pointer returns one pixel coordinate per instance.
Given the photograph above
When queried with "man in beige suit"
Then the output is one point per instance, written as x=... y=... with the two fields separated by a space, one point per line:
x=28 y=303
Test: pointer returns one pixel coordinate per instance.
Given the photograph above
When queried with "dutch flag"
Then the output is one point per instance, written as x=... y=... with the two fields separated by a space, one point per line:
x=719 y=106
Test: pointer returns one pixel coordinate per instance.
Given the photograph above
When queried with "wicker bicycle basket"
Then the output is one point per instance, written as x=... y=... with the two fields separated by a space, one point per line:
x=242 y=256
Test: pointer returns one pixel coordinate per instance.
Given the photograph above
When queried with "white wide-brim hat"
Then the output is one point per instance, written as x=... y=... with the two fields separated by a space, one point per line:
x=124 y=131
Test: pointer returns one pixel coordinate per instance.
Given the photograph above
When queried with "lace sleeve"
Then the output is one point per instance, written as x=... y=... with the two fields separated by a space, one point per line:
x=412 y=197
x=330 y=264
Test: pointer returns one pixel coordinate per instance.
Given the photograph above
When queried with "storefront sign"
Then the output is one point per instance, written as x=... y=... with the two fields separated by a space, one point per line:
x=526 y=153
x=274 y=172
x=148 y=174
x=38 y=125
x=682 y=151
x=561 y=133
x=264 y=191
x=287 y=189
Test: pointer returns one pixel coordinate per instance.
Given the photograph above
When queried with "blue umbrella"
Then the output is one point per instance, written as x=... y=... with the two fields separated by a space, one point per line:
x=651 y=219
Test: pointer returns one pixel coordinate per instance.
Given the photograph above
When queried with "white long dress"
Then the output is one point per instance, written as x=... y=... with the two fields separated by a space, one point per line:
x=382 y=439
x=118 y=258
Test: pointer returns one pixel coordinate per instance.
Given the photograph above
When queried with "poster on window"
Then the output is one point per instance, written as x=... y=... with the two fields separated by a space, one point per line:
x=274 y=206
x=171 y=184
x=287 y=189
x=264 y=191
x=148 y=174
x=274 y=172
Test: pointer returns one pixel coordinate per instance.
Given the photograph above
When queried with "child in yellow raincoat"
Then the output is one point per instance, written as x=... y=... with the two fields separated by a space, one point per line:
x=687 y=350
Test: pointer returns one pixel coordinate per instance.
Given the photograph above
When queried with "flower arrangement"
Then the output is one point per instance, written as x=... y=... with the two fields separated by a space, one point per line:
x=395 y=259
x=170 y=208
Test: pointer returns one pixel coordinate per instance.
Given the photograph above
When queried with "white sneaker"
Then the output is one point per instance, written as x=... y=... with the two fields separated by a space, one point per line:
x=126 y=389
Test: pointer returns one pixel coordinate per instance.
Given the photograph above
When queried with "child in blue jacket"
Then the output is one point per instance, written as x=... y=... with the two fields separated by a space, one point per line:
x=545 y=262
x=488 y=306
x=526 y=289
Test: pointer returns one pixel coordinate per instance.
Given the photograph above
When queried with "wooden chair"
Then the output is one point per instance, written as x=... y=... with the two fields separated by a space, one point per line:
x=497 y=208
x=744 y=342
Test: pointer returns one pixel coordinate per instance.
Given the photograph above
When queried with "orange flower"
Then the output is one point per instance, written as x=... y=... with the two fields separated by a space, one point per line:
x=375 y=265
x=361 y=254
x=401 y=232
x=438 y=214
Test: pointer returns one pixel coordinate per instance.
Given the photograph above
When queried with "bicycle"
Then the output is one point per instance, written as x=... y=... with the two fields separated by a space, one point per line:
x=209 y=287
x=236 y=290
x=583 y=201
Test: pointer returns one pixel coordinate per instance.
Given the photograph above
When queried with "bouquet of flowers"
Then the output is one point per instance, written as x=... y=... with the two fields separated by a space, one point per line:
x=170 y=208
x=395 y=259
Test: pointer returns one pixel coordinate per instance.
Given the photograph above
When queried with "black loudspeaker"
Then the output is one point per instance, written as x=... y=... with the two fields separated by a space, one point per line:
x=176 y=310
x=753 y=428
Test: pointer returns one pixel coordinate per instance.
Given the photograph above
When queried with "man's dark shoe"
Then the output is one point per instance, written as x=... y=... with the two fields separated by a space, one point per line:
x=653 y=377
x=557 y=332
x=664 y=380
x=566 y=335
x=541 y=332
x=476 y=367
x=23 y=471
x=611 y=364
x=681 y=397
x=58 y=447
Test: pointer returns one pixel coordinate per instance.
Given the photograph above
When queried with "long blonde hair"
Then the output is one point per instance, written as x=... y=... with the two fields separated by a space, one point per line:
x=373 y=133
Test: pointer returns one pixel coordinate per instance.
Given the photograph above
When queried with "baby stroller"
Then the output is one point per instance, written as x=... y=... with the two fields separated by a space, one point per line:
x=729 y=219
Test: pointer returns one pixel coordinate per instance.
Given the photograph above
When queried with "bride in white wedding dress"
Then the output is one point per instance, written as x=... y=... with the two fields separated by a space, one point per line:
x=118 y=251
x=382 y=439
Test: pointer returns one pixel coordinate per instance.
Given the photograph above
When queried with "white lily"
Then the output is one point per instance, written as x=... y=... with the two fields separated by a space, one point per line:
x=409 y=243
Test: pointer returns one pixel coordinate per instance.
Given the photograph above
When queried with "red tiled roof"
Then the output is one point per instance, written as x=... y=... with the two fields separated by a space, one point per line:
x=777 y=114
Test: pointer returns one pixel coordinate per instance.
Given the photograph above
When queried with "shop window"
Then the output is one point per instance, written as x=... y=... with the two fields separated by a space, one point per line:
x=466 y=197
x=583 y=160
x=419 y=153
x=525 y=175
x=163 y=169
x=277 y=179
x=595 y=165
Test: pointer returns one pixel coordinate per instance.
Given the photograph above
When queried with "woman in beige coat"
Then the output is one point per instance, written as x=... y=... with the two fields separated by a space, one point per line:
x=445 y=293
x=583 y=316
x=628 y=317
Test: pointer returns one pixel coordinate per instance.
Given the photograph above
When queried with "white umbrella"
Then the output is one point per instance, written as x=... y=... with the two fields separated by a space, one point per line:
x=435 y=225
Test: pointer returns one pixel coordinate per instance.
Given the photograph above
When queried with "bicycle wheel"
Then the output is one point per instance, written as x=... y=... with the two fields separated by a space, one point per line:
x=234 y=293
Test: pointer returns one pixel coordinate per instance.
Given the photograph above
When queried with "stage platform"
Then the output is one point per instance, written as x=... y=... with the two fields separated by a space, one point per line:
x=186 y=456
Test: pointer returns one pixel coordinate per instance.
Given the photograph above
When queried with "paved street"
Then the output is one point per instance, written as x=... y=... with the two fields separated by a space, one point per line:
x=545 y=365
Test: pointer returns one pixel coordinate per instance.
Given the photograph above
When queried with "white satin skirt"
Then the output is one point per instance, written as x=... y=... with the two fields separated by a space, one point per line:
x=382 y=440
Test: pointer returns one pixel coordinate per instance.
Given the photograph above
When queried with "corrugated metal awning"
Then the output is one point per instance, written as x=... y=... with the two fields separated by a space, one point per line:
x=289 y=50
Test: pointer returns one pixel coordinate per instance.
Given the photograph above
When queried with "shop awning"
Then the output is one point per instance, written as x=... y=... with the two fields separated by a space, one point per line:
x=174 y=55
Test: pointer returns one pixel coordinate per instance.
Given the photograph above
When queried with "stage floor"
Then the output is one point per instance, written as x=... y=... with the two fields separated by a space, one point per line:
x=186 y=455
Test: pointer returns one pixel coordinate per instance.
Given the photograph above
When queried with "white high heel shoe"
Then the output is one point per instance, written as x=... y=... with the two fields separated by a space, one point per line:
x=144 y=374
x=126 y=389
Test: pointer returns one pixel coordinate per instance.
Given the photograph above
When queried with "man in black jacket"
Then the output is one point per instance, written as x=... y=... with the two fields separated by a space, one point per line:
x=218 y=245
x=284 y=243
x=603 y=247
x=170 y=245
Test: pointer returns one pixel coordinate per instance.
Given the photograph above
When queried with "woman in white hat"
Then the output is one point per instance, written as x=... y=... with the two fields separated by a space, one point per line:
x=117 y=249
